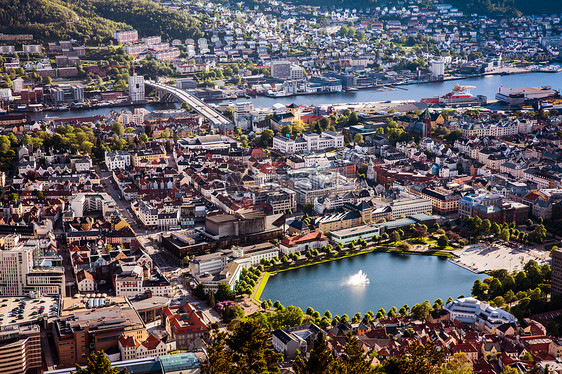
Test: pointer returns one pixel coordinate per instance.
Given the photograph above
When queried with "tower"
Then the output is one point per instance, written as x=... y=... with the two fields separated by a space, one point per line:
x=426 y=119
x=370 y=170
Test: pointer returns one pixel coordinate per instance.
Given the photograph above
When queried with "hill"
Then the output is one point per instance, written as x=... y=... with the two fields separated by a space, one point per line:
x=94 y=21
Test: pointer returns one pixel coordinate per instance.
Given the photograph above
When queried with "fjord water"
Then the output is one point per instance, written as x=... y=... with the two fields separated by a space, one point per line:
x=394 y=280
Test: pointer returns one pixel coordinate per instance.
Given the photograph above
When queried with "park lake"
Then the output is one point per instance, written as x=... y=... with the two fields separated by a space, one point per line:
x=386 y=280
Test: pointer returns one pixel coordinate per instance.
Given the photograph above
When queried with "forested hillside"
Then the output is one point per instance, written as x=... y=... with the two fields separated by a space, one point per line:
x=93 y=21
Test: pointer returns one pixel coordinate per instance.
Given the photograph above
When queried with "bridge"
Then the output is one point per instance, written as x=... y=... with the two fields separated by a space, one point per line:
x=168 y=92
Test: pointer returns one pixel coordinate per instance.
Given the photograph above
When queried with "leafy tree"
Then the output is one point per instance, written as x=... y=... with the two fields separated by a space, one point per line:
x=358 y=139
x=421 y=311
x=495 y=228
x=98 y=364
x=394 y=236
x=307 y=207
x=231 y=312
x=504 y=235
x=479 y=289
x=250 y=355
x=458 y=364
x=417 y=359
x=353 y=360
x=443 y=241
x=219 y=360
x=320 y=360
x=118 y=128
x=510 y=370
x=224 y=292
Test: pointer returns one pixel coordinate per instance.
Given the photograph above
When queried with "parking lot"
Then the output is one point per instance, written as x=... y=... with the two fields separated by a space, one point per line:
x=16 y=310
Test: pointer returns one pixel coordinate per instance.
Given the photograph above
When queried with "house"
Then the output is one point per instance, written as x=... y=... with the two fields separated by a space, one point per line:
x=303 y=243
x=184 y=324
x=85 y=281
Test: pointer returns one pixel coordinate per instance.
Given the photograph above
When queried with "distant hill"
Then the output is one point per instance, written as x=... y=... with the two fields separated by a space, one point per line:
x=94 y=21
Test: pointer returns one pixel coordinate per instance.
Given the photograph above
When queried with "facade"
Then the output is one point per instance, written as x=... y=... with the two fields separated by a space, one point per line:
x=556 y=278
x=479 y=313
x=86 y=331
x=20 y=276
x=365 y=232
x=184 y=324
x=408 y=207
x=126 y=36
x=117 y=160
x=84 y=202
x=314 y=240
x=443 y=201
x=20 y=349
x=280 y=69
x=308 y=142
x=493 y=207
x=131 y=349
x=136 y=88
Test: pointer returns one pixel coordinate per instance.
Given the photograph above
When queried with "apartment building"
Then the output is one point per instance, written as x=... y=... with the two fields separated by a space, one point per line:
x=117 y=160
x=443 y=201
x=309 y=142
x=20 y=349
x=24 y=270
x=409 y=207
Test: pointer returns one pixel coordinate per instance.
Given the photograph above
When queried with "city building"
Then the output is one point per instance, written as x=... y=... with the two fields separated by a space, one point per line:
x=117 y=160
x=126 y=36
x=280 y=69
x=314 y=240
x=20 y=349
x=184 y=324
x=478 y=313
x=353 y=234
x=25 y=270
x=556 y=277
x=309 y=142
x=136 y=88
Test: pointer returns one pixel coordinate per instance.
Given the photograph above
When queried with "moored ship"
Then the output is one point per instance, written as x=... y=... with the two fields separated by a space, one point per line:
x=458 y=97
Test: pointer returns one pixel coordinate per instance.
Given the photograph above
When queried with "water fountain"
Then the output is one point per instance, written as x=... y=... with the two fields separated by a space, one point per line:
x=358 y=279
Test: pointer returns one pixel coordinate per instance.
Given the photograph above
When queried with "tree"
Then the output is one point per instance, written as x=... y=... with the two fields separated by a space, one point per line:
x=212 y=301
x=458 y=364
x=496 y=229
x=358 y=139
x=443 y=241
x=250 y=355
x=416 y=359
x=479 y=289
x=394 y=236
x=266 y=137
x=118 y=128
x=504 y=235
x=231 y=312
x=307 y=207
x=219 y=360
x=353 y=360
x=485 y=226
x=510 y=370
x=98 y=364
x=421 y=311
x=320 y=359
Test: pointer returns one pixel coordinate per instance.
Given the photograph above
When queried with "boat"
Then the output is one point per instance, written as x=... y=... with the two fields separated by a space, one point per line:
x=459 y=96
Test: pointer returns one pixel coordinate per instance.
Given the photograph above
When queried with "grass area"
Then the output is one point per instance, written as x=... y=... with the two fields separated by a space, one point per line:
x=261 y=286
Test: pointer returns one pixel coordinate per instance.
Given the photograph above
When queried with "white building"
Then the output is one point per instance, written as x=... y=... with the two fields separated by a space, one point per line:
x=437 y=69
x=85 y=281
x=84 y=202
x=479 y=313
x=117 y=160
x=409 y=207
x=126 y=36
x=19 y=276
x=136 y=88
x=309 y=142
x=132 y=349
